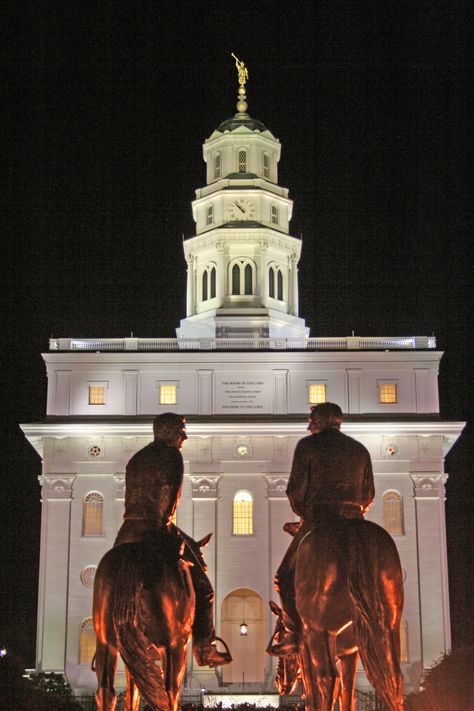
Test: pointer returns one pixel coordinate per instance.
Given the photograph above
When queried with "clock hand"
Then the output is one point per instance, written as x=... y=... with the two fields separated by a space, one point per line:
x=240 y=207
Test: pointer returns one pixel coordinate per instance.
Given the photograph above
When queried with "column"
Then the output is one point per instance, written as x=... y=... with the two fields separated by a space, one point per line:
x=432 y=564
x=221 y=273
x=353 y=390
x=63 y=392
x=280 y=402
x=263 y=280
x=54 y=570
x=293 y=280
x=130 y=391
x=205 y=391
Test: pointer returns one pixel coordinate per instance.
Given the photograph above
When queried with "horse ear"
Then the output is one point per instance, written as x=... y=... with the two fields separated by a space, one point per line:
x=274 y=608
x=204 y=541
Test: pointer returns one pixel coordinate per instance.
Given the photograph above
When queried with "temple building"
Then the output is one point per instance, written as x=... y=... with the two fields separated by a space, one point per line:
x=244 y=371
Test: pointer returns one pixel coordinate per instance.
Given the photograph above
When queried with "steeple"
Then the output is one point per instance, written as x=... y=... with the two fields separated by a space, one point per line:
x=242 y=263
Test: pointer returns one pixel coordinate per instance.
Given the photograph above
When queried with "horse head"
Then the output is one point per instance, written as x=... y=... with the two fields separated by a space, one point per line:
x=288 y=671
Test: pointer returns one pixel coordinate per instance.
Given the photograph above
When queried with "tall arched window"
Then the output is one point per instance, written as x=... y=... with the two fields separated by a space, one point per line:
x=236 y=279
x=279 y=285
x=393 y=513
x=248 y=279
x=266 y=165
x=93 y=514
x=242 y=514
x=271 y=283
x=87 y=641
x=204 y=285
x=403 y=641
x=210 y=214
x=213 y=283
x=217 y=165
x=242 y=161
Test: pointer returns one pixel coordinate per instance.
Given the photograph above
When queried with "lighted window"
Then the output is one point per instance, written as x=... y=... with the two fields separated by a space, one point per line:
x=266 y=165
x=274 y=215
x=393 y=521
x=217 y=165
x=87 y=642
x=242 y=161
x=271 y=283
x=93 y=514
x=403 y=641
x=279 y=285
x=204 y=286
x=242 y=514
x=387 y=393
x=97 y=395
x=210 y=214
x=168 y=394
x=316 y=393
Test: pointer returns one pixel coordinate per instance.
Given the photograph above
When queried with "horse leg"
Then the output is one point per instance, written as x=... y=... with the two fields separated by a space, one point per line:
x=323 y=659
x=347 y=700
x=132 y=695
x=105 y=666
x=175 y=670
x=308 y=677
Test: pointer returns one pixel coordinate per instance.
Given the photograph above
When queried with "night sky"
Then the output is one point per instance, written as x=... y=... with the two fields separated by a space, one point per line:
x=108 y=104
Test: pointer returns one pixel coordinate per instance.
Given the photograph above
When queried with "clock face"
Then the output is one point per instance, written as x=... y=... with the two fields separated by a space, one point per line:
x=240 y=209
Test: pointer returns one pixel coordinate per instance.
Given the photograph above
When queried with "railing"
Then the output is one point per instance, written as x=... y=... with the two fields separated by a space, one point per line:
x=350 y=343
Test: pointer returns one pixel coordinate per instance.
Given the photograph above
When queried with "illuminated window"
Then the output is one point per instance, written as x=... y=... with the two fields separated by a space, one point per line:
x=316 y=393
x=210 y=214
x=242 y=514
x=242 y=161
x=403 y=641
x=97 y=395
x=393 y=521
x=266 y=165
x=274 y=215
x=387 y=393
x=217 y=165
x=93 y=514
x=279 y=285
x=271 y=283
x=87 y=642
x=168 y=394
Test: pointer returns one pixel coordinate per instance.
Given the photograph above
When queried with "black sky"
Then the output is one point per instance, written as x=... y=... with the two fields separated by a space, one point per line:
x=108 y=104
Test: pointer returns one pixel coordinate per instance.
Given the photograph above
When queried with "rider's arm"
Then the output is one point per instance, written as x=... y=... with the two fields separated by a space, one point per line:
x=299 y=478
x=368 y=487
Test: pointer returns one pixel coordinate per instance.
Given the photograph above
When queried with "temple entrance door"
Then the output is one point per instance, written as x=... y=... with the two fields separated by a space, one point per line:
x=248 y=650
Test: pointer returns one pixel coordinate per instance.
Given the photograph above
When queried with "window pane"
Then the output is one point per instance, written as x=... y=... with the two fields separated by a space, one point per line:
x=243 y=514
x=97 y=395
x=393 y=513
x=317 y=393
x=266 y=165
x=168 y=393
x=204 y=286
x=280 y=285
x=248 y=279
x=387 y=393
x=213 y=282
x=242 y=161
x=236 y=279
x=271 y=283
x=93 y=515
x=274 y=215
x=87 y=642
x=217 y=166
x=210 y=215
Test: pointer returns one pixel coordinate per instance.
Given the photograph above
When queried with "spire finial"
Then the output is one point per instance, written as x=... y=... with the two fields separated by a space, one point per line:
x=243 y=75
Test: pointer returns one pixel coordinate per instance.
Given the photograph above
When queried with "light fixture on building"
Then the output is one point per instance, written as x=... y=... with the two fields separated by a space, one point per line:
x=243 y=625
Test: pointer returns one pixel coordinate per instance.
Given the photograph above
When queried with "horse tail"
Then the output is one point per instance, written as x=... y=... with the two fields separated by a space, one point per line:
x=132 y=641
x=376 y=592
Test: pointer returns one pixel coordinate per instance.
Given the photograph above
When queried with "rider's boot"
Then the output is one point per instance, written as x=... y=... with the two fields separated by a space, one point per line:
x=206 y=653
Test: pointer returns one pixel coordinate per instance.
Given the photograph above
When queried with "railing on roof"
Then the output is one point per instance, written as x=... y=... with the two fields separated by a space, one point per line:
x=369 y=343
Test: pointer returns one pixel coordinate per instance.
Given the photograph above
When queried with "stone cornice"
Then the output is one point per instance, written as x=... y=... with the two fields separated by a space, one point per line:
x=57 y=486
x=204 y=486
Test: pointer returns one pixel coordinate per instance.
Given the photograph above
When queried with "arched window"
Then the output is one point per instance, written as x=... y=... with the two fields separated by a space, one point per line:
x=403 y=641
x=236 y=279
x=87 y=641
x=242 y=514
x=204 y=285
x=393 y=513
x=210 y=214
x=242 y=161
x=274 y=215
x=217 y=165
x=271 y=283
x=266 y=165
x=93 y=514
x=248 y=279
x=213 y=283
x=279 y=285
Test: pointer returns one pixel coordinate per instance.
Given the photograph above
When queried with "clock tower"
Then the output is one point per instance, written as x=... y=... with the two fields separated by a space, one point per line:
x=242 y=277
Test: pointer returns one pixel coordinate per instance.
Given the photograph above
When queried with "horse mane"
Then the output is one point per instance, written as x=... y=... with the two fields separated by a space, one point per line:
x=133 y=644
x=377 y=636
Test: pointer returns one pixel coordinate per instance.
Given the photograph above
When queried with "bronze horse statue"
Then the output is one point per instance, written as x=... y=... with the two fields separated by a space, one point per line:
x=349 y=595
x=143 y=610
